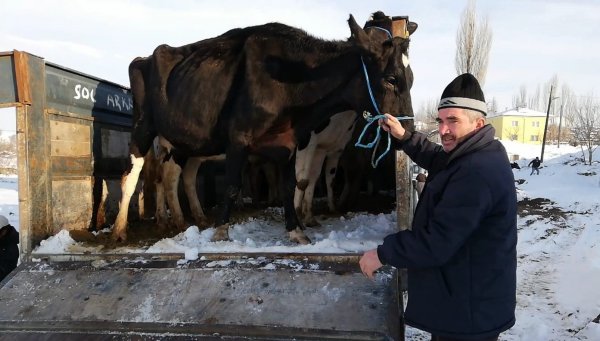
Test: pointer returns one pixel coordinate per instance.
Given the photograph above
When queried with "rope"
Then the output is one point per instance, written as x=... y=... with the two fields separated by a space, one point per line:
x=382 y=29
x=370 y=120
x=377 y=139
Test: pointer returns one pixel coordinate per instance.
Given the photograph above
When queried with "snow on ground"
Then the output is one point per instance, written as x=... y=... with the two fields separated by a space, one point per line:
x=558 y=285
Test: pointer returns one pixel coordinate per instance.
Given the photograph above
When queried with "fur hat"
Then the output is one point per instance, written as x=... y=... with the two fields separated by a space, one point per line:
x=3 y=221
x=464 y=92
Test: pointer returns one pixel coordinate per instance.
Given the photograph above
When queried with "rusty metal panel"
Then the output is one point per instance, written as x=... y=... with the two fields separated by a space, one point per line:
x=8 y=94
x=34 y=162
x=244 y=298
x=71 y=204
x=21 y=61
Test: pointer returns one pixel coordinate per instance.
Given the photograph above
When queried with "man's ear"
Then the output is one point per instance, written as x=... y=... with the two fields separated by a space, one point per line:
x=480 y=122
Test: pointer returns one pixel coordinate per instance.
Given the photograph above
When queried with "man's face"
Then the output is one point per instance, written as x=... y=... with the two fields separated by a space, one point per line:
x=454 y=125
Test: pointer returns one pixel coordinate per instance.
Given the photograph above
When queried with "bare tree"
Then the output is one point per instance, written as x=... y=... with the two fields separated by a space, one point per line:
x=8 y=155
x=512 y=132
x=535 y=102
x=586 y=125
x=427 y=114
x=473 y=44
x=492 y=105
x=520 y=99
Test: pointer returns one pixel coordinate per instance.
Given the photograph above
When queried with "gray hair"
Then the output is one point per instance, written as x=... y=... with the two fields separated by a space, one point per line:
x=473 y=114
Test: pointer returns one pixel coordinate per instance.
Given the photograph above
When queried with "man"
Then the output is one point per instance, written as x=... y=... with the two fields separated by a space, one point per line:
x=461 y=251
x=9 y=250
x=535 y=166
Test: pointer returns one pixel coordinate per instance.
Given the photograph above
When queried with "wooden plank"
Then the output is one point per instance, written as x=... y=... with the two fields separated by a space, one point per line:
x=404 y=189
x=69 y=139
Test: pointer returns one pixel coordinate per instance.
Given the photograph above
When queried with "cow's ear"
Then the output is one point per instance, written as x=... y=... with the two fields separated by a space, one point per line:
x=412 y=27
x=358 y=35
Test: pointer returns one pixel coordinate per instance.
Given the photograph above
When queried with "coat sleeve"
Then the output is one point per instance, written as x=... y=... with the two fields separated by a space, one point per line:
x=464 y=203
x=422 y=151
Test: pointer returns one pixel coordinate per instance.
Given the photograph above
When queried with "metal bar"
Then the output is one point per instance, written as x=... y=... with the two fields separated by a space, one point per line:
x=248 y=332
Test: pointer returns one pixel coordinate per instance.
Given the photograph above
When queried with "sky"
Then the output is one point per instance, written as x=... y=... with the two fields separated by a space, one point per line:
x=533 y=40
x=558 y=273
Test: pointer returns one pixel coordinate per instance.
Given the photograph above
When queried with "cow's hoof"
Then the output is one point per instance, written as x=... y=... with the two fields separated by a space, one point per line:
x=202 y=223
x=119 y=236
x=312 y=222
x=221 y=233
x=299 y=237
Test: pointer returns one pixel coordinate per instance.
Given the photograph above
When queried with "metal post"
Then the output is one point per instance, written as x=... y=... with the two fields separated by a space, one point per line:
x=550 y=98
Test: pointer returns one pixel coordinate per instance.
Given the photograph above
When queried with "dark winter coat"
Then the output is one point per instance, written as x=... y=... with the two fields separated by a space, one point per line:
x=9 y=251
x=535 y=163
x=461 y=251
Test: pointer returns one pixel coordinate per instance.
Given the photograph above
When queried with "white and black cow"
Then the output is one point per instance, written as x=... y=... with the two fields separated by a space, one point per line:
x=326 y=144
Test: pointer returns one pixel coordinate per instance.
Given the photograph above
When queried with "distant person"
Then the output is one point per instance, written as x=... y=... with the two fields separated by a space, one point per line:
x=9 y=250
x=461 y=253
x=535 y=166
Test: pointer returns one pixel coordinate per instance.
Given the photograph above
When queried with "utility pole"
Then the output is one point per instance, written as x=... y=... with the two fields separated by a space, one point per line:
x=550 y=98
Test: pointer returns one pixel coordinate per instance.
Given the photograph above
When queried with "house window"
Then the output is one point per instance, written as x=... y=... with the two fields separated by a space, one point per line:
x=534 y=138
x=515 y=123
x=535 y=124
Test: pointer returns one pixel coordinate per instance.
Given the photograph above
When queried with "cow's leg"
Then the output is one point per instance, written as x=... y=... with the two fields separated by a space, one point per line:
x=304 y=159
x=100 y=186
x=128 y=184
x=190 y=171
x=162 y=219
x=150 y=173
x=331 y=165
x=234 y=163
x=313 y=177
x=270 y=171
x=292 y=223
x=170 y=175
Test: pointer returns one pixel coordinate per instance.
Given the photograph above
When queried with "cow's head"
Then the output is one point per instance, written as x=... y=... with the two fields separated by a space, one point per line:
x=383 y=45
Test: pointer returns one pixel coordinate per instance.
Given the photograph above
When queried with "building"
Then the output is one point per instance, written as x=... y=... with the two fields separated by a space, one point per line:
x=520 y=124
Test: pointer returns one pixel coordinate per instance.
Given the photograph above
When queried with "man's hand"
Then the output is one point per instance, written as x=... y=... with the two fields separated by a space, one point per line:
x=369 y=262
x=393 y=126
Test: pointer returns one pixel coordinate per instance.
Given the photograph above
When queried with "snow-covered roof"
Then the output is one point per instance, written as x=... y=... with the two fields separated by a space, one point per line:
x=518 y=112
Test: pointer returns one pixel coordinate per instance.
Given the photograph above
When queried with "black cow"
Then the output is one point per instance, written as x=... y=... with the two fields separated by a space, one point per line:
x=257 y=90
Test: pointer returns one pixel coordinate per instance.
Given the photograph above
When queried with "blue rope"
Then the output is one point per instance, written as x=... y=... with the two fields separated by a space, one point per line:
x=370 y=121
x=376 y=140
x=369 y=86
x=383 y=29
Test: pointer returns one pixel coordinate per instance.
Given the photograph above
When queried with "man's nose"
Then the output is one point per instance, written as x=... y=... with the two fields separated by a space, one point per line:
x=443 y=128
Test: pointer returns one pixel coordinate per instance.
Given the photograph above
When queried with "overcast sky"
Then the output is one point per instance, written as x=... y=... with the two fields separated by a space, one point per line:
x=532 y=39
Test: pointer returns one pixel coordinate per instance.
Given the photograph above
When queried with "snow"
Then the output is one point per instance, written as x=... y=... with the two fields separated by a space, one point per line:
x=558 y=295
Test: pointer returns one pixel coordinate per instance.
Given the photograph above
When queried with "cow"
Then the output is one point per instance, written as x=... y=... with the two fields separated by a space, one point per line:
x=326 y=144
x=170 y=167
x=259 y=90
